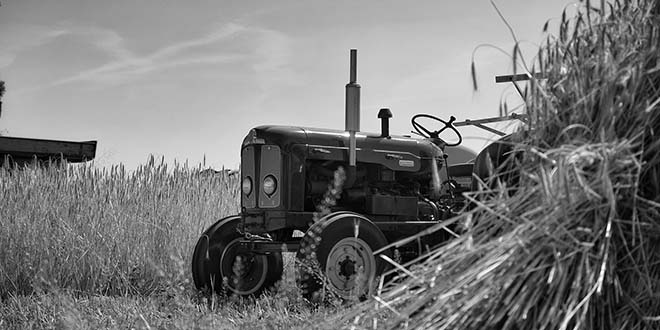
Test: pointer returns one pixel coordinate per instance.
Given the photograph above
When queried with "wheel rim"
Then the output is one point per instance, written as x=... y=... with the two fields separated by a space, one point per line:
x=350 y=267
x=245 y=272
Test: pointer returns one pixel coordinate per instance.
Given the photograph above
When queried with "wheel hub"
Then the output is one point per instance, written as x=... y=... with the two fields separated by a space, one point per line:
x=350 y=267
x=241 y=266
x=244 y=272
x=347 y=267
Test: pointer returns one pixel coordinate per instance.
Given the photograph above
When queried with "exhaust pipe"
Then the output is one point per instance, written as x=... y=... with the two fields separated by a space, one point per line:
x=352 y=118
x=352 y=107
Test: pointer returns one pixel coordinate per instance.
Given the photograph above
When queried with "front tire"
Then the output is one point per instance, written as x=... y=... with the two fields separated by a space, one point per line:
x=220 y=265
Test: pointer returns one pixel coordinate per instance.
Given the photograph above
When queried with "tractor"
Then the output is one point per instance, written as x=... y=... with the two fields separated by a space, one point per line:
x=351 y=193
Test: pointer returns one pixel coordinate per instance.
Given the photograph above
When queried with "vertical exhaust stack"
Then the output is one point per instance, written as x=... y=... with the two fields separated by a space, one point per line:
x=352 y=109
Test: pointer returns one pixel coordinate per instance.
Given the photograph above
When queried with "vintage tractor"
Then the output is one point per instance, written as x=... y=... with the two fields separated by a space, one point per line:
x=350 y=193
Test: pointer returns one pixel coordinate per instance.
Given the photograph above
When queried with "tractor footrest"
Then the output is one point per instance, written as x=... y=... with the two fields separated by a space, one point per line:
x=264 y=247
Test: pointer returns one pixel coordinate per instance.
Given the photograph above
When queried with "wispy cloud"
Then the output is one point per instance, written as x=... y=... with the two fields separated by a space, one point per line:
x=105 y=40
x=267 y=52
x=126 y=65
x=20 y=38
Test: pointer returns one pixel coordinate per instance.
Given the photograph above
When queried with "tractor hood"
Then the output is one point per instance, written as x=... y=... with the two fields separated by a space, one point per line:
x=395 y=151
x=290 y=137
x=286 y=137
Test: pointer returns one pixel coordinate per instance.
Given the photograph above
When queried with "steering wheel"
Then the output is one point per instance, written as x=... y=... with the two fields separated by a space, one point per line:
x=423 y=131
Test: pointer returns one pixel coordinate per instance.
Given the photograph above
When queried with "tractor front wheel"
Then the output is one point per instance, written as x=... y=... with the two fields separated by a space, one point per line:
x=221 y=265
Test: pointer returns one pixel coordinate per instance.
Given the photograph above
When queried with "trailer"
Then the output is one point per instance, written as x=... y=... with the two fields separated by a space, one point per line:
x=20 y=151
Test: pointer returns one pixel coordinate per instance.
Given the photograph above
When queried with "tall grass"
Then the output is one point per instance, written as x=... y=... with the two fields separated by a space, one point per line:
x=576 y=243
x=105 y=230
x=89 y=248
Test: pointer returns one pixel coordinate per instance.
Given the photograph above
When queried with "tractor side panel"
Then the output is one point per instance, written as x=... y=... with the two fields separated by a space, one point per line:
x=296 y=178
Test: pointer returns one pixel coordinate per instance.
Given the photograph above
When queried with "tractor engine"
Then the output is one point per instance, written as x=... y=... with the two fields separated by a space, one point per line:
x=380 y=190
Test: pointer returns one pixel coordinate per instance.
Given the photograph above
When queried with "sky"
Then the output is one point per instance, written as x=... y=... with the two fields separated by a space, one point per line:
x=187 y=80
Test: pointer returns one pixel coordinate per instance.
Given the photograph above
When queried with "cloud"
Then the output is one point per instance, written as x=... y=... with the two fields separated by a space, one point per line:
x=267 y=52
x=126 y=65
x=105 y=40
x=214 y=37
x=20 y=38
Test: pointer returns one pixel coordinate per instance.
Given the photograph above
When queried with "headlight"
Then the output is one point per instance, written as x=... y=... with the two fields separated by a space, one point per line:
x=270 y=185
x=247 y=186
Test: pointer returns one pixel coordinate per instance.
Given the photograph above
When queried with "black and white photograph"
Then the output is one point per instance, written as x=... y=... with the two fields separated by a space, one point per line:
x=364 y=164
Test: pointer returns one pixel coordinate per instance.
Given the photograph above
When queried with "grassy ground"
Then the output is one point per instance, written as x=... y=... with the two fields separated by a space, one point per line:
x=88 y=248
x=178 y=308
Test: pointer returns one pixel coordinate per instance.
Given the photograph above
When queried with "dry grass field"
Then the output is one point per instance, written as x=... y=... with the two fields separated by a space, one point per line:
x=573 y=244
x=88 y=248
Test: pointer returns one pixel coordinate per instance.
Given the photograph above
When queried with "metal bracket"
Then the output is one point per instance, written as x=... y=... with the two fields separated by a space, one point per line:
x=512 y=78
x=480 y=122
x=518 y=77
x=489 y=129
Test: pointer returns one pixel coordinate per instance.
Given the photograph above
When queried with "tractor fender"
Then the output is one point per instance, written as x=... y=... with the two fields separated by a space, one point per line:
x=211 y=230
x=344 y=221
x=201 y=252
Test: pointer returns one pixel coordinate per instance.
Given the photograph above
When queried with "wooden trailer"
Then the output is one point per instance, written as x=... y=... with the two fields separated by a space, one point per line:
x=20 y=151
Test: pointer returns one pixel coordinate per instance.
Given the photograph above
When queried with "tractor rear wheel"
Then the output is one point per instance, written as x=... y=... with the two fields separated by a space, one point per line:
x=220 y=264
x=336 y=256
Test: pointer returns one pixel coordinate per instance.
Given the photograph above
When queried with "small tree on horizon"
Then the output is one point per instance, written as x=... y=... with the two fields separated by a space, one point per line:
x=2 y=92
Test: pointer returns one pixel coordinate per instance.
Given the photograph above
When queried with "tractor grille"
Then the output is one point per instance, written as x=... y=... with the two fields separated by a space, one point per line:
x=258 y=163
x=248 y=165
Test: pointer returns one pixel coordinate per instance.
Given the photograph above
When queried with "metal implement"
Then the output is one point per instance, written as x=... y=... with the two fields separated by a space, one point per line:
x=480 y=122
x=512 y=78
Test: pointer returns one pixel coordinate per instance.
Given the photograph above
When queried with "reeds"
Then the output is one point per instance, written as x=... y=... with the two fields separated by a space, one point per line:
x=105 y=230
x=576 y=243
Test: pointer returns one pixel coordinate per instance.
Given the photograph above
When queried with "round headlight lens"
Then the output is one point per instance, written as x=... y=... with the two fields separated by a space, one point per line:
x=247 y=186
x=270 y=185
